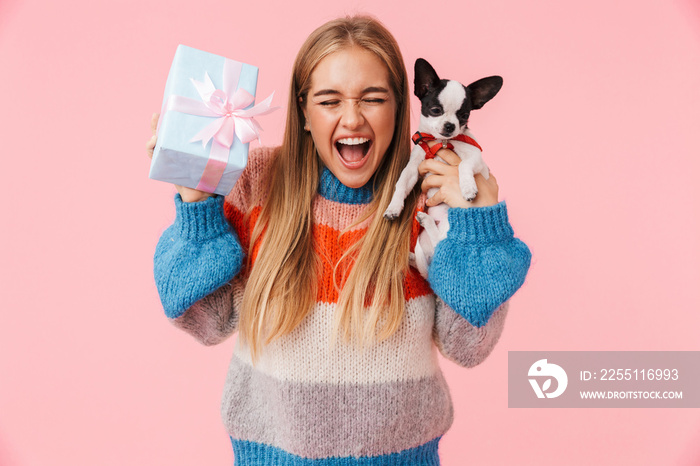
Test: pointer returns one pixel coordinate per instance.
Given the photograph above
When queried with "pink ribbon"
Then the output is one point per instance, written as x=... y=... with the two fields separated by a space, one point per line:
x=228 y=106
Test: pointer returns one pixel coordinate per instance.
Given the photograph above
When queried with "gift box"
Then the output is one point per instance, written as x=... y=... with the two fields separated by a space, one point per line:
x=206 y=121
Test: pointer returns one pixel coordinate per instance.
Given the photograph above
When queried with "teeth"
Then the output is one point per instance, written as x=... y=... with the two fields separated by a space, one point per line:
x=353 y=141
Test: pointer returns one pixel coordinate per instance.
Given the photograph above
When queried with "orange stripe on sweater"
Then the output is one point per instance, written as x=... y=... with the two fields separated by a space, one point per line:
x=329 y=245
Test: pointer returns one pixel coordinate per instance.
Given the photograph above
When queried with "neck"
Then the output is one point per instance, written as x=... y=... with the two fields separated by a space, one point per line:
x=332 y=189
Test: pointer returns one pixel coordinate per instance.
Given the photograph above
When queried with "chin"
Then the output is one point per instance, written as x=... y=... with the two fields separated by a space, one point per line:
x=352 y=180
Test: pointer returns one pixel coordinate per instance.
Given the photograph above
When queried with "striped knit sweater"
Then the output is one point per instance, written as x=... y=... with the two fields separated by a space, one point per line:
x=305 y=402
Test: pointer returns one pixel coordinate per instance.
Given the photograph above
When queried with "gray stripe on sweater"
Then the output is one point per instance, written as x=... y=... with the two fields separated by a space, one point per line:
x=460 y=341
x=214 y=318
x=323 y=420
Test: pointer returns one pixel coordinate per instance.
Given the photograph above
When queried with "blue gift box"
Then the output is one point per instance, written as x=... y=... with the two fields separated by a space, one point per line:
x=177 y=159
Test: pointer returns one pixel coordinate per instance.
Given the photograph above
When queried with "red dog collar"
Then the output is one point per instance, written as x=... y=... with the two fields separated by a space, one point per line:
x=422 y=139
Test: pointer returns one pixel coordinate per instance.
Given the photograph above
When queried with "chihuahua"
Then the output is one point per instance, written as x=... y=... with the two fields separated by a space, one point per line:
x=445 y=108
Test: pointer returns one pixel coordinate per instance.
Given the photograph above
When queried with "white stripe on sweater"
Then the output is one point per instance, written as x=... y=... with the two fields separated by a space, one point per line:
x=305 y=354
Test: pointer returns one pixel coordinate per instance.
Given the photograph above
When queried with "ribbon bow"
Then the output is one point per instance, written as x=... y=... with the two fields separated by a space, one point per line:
x=232 y=113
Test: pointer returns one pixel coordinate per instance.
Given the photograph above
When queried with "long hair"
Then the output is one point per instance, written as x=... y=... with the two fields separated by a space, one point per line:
x=282 y=286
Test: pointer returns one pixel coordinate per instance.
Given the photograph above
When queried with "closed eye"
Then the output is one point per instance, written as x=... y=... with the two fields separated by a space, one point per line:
x=366 y=101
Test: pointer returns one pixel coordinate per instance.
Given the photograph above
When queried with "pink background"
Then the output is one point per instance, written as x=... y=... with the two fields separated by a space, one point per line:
x=593 y=139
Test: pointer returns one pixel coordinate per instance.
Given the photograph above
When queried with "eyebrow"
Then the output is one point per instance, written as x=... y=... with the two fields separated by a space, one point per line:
x=364 y=91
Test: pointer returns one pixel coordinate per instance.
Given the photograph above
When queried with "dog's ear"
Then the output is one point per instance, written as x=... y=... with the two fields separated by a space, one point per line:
x=483 y=90
x=425 y=78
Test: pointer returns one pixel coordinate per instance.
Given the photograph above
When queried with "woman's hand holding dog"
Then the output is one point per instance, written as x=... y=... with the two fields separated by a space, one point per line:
x=445 y=177
x=187 y=194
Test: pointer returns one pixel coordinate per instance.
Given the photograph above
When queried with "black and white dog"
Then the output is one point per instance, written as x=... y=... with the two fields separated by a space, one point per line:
x=445 y=108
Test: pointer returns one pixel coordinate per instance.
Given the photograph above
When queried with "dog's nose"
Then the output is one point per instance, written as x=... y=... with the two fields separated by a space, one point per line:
x=448 y=129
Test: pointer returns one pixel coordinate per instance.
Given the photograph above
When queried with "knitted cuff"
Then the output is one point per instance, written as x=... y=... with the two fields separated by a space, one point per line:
x=479 y=224
x=200 y=221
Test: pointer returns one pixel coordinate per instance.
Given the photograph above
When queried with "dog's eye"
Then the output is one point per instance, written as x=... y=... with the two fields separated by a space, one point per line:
x=435 y=111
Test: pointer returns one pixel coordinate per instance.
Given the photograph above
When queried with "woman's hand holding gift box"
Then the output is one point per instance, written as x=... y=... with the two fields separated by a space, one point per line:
x=187 y=194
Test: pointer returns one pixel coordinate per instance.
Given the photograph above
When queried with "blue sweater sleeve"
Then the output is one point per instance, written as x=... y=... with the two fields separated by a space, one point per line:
x=196 y=255
x=479 y=265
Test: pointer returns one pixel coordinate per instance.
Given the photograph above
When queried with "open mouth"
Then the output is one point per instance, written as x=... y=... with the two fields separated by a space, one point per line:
x=353 y=151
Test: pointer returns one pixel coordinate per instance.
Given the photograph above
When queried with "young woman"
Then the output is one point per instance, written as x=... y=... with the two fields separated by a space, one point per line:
x=336 y=357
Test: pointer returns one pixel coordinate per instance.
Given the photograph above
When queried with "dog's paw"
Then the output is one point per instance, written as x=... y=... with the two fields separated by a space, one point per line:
x=469 y=192
x=468 y=187
x=422 y=218
x=392 y=211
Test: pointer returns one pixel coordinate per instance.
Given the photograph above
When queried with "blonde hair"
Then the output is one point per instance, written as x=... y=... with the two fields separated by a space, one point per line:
x=282 y=286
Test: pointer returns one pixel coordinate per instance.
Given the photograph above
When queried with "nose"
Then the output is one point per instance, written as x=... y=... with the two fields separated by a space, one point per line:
x=448 y=129
x=352 y=115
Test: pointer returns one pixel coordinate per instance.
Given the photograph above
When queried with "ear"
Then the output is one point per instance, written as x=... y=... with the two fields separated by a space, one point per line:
x=425 y=78
x=483 y=90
